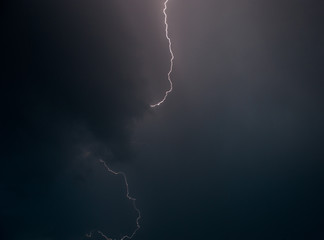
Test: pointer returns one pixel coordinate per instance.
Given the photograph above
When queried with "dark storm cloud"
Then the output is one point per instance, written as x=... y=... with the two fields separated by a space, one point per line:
x=70 y=93
x=234 y=153
x=237 y=149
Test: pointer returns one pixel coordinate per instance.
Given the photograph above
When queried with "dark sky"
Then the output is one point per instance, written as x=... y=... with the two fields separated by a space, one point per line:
x=235 y=153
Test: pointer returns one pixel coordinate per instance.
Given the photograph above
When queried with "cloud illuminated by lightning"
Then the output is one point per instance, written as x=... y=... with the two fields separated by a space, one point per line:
x=171 y=53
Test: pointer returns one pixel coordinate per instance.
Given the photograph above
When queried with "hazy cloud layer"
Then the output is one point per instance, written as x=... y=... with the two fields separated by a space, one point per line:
x=70 y=93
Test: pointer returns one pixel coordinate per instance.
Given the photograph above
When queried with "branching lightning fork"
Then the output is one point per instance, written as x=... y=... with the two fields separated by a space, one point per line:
x=171 y=53
x=138 y=226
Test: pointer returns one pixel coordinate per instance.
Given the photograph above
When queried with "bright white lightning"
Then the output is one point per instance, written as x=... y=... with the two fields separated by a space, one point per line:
x=138 y=226
x=171 y=53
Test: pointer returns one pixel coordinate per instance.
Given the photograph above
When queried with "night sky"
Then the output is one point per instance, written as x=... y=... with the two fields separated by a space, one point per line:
x=235 y=152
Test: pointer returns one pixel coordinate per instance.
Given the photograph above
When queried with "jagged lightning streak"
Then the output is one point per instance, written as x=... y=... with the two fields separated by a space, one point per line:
x=138 y=226
x=171 y=53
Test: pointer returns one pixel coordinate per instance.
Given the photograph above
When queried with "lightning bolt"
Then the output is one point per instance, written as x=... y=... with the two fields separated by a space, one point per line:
x=138 y=226
x=171 y=53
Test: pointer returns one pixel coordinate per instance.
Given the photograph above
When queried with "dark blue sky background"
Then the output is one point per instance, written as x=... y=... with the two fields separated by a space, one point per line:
x=234 y=153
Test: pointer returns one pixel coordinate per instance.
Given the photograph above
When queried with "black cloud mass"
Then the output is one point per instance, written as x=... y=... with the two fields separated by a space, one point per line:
x=235 y=153
x=69 y=88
